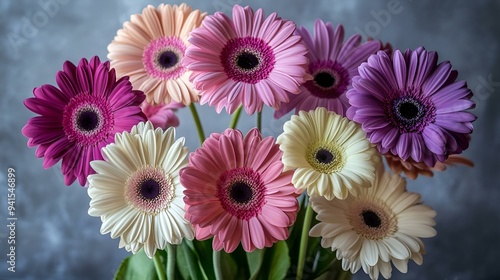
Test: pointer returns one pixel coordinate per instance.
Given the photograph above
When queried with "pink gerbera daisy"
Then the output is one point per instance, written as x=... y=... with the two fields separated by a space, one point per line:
x=162 y=115
x=81 y=117
x=236 y=191
x=411 y=106
x=150 y=48
x=332 y=64
x=248 y=60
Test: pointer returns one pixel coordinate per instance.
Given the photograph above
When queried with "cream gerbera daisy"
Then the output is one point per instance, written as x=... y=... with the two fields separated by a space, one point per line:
x=137 y=191
x=382 y=224
x=330 y=153
x=149 y=50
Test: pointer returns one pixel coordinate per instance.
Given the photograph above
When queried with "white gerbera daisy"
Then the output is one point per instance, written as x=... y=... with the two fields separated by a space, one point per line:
x=137 y=191
x=330 y=153
x=382 y=224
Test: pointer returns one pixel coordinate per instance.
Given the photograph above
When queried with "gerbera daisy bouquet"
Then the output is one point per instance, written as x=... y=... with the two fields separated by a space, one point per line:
x=321 y=200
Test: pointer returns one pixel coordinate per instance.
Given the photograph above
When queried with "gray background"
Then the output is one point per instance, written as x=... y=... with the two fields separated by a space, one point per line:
x=57 y=239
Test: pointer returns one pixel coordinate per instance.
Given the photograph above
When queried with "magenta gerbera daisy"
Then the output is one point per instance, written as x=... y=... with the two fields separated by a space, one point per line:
x=249 y=60
x=236 y=191
x=411 y=106
x=81 y=116
x=332 y=64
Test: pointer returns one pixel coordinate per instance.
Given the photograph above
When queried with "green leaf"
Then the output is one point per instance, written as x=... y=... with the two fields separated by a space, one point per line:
x=204 y=250
x=329 y=268
x=188 y=262
x=229 y=267
x=240 y=256
x=335 y=274
x=276 y=261
x=326 y=261
x=255 y=259
x=137 y=266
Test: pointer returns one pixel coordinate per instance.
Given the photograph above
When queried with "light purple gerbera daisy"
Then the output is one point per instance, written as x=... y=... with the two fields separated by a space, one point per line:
x=411 y=106
x=81 y=116
x=249 y=60
x=332 y=64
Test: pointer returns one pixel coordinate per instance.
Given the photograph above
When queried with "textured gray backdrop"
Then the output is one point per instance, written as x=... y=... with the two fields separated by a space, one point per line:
x=56 y=239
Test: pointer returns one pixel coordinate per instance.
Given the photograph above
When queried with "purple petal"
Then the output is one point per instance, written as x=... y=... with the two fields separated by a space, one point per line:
x=417 y=147
x=350 y=44
x=412 y=68
x=437 y=79
x=427 y=62
x=399 y=65
x=337 y=38
x=369 y=89
x=454 y=126
x=403 y=146
x=434 y=139
x=361 y=54
x=457 y=117
x=455 y=106
x=387 y=137
x=321 y=42
x=456 y=90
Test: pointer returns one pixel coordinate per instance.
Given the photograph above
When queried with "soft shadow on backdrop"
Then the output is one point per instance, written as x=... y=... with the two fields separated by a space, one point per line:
x=57 y=239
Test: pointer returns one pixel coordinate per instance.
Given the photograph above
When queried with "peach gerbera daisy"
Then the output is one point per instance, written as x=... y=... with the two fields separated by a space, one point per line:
x=149 y=49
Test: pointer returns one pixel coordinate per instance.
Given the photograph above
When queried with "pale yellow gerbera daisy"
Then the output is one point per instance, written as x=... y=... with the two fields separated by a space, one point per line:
x=137 y=191
x=330 y=153
x=383 y=224
x=149 y=49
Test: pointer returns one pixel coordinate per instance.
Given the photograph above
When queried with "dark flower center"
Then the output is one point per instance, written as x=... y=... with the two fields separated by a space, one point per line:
x=87 y=120
x=408 y=110
x=371 y=218
x=241 y=192
x=167 y=59
x=149 y=189
x=247 y=60
x=324 y=79
x=330 y=80
x=324 y=156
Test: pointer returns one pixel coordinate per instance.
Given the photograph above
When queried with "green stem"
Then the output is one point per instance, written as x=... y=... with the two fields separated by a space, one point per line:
x=259 y=121
x=160 y=269
x=197 y=122
x=303 y=241
x=236 y=117
x=171 y=261
x=217 y=267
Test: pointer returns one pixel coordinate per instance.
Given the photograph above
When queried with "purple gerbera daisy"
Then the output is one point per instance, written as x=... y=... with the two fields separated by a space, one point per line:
x=249 y=60
x=81 y=116
x=411 y=106
x=332 y=64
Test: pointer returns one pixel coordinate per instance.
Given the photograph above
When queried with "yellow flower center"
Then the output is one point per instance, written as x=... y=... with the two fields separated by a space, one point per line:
x=326 y=159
